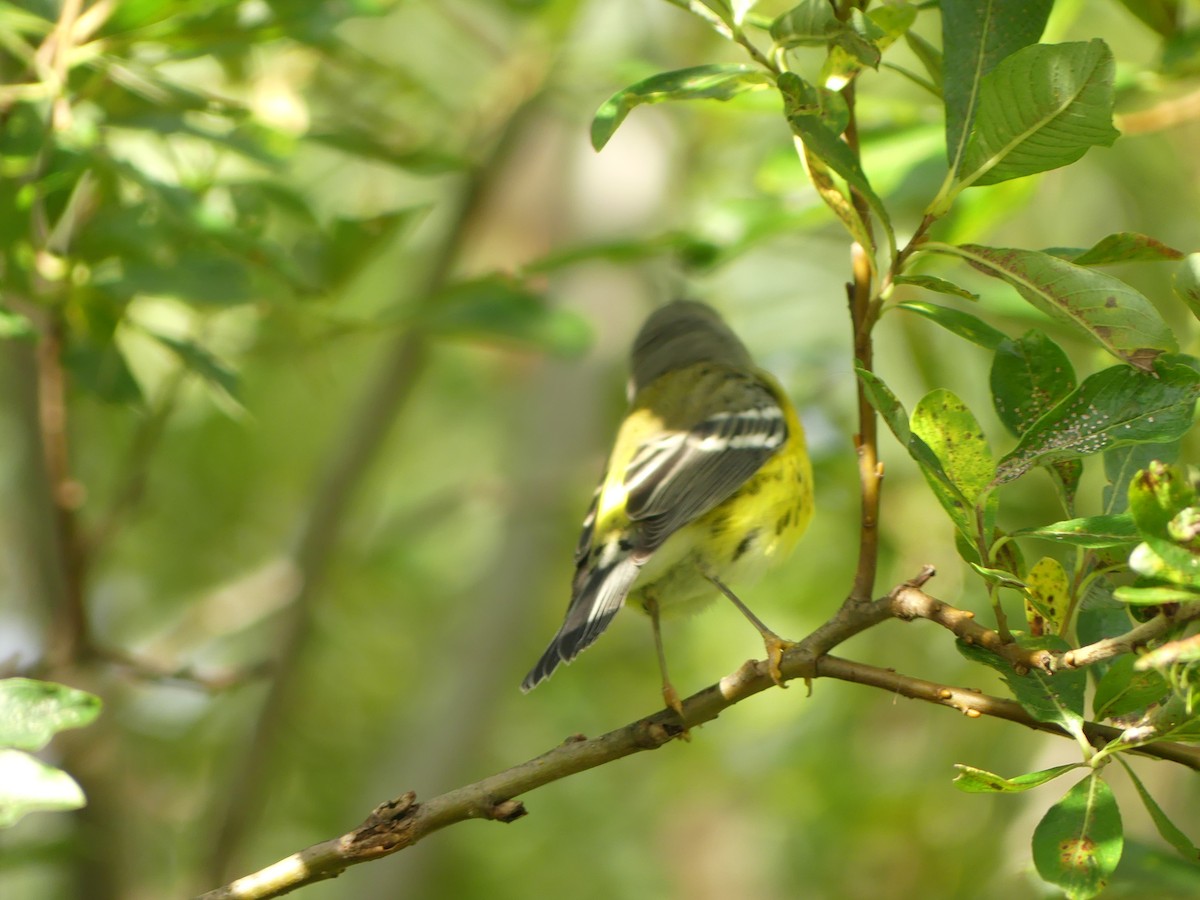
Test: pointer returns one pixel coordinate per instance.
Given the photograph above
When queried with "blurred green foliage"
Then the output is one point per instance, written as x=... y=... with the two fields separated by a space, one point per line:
x=312 y=329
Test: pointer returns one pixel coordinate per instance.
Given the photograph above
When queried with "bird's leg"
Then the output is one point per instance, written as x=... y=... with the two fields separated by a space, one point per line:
x=670 y=695
x=774 y=644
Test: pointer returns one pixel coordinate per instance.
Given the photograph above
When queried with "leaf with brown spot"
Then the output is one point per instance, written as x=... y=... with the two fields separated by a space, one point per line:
x=1132 y=329
x=1078 y=843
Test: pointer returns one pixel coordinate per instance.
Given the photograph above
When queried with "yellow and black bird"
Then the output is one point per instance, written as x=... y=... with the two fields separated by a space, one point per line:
x=708 y=484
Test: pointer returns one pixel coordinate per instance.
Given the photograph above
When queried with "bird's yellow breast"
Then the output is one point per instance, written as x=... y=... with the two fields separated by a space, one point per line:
x=738 y=540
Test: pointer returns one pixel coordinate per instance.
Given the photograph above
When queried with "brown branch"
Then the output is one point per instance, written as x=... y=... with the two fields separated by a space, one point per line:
x=401 y=823
x=68 y=639
x=974 y=704
x=910 y=603
x=866 y=442
x=1166 y=114
x=1132 y=640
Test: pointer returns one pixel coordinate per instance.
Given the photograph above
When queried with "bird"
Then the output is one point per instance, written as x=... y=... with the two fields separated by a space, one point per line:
x=708 y=482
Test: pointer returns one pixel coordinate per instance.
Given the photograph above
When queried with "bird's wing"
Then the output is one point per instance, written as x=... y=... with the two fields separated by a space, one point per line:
x=678 y=477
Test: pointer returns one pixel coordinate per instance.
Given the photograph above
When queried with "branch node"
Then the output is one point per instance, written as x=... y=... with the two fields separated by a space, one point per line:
x=972 y=713
x=387 y=827
x=391 y=810
x=506 y=811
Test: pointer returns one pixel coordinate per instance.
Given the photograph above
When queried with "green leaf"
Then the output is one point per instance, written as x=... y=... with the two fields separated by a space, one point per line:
x=1029 y=375
x=14 y=326
x=860 y=40
x=711 y=82
x=800 y=98
x=880 y=396
x=938 y=285
x=32 y=712
x=350 y=244
x=199 y=275
x=1123 y=690
x=1091 y=532
x=201 y=362
x=1100 y=616
x=827 y=146
x=100 y=368
x=1121 y=464
x=979 y=781
x=808 y=24
x=1162 y=499
x=1166 y=828
x=999 y=577
x=1057 y=699
x=1040 y=109
x=1153 y=594
x=1109 y=311
x=1047 y=596
x=929 y=55
x=944 y=425
x=29 y=785
x=1187 y=283
x=495 y=309
x=965 y=325
x=1115 y=406
x=1160 y=15
x=1122 y=247
x=976 y=36
x=429 y=160
x=1078 y=843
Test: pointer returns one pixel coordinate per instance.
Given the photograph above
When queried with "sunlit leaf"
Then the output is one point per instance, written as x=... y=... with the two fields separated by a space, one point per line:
x=1154 y=594
x=1040 y=109
x=938 y=285
x=1109 y=311
x=976 y=36
x=14 y=326
x=808 y=24
x=1078 y=843
x=1047 y=596
x=1162 y=501
x=951 y=434
x=29 y=785
x=1093 y=532
x=711 y=82
x=1116 y=406
x=824 y=143
x=979 y=781
x=1122 y=247
x=32 y=712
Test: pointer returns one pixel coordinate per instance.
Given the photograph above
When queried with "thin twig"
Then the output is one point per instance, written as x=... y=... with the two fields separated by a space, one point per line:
x=1135 y=638
x=910 y=603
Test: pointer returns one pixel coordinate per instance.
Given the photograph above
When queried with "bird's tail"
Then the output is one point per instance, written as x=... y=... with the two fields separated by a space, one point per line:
x=601 y=585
